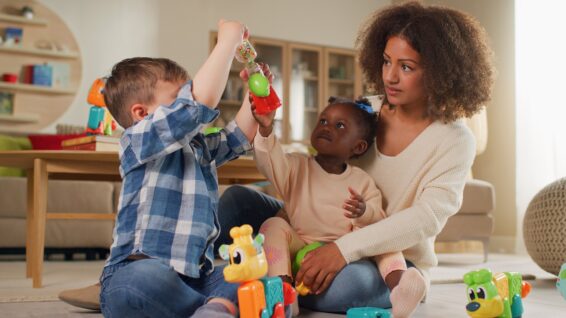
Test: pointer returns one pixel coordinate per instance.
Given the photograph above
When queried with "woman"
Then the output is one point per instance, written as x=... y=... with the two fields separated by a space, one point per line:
x=433 y=67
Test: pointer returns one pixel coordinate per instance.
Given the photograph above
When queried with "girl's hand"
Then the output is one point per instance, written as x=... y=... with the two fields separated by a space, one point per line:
x=320 y=267
x=264 y=68
x=265 y=121
x=355 y=206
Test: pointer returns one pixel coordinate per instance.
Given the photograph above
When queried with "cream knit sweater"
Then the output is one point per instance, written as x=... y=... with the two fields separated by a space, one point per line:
x=421 y=187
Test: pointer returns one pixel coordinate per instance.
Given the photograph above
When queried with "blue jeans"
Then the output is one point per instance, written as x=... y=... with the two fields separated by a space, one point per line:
x=359 y=284
x=151 y=288
x=241 y=205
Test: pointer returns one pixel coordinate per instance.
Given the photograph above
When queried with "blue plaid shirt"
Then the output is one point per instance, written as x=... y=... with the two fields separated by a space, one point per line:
x=169 y=197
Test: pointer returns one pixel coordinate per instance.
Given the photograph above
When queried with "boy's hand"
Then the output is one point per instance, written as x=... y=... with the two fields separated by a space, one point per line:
x=231 y=32
x=355 y=206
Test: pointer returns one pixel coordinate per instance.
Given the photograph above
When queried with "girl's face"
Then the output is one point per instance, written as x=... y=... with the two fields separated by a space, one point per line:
x=336 y=133
x=402 y=74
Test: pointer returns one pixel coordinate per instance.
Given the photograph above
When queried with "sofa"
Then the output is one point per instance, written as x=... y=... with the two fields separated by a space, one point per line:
x=474 y=221
x=92 y=237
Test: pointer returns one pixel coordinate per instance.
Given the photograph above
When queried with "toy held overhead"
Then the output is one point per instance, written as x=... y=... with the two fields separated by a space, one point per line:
x=263 y=94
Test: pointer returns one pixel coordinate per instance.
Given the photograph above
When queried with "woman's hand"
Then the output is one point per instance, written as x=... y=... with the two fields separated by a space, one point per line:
x=320 y=267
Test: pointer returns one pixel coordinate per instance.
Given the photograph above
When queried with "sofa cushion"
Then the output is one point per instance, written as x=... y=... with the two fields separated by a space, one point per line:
x=59 y=233
x=481 y=225
x=13 y=143
x=479 y=197
x=63 y=196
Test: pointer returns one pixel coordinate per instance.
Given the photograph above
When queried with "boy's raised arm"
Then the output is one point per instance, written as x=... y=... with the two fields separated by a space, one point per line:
x=210 y=80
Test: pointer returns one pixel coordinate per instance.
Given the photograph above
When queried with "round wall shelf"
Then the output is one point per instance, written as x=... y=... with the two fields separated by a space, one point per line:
x=46 y=40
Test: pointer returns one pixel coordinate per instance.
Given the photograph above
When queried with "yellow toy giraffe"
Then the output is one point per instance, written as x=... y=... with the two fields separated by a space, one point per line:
x=259 y=296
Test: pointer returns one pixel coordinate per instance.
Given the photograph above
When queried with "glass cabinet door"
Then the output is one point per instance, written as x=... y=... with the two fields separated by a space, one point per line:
x=342 y=74
x=305 y=91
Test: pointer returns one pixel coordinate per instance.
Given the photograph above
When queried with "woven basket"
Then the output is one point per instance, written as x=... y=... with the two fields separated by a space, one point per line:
x=544 y=227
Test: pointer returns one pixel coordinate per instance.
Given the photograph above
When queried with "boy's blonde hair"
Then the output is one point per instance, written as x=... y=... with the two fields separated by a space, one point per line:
x=134 y=80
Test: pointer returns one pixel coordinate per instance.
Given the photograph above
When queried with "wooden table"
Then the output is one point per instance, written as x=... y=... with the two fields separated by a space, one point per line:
x=81 y=165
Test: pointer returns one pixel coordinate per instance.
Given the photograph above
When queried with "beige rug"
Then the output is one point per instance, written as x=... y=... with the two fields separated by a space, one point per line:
x=452 y=267
x=61 y=275
x=57 y=276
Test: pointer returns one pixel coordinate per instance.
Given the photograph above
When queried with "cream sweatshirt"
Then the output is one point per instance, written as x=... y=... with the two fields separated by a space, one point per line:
x=421 y=187
x=313 y=197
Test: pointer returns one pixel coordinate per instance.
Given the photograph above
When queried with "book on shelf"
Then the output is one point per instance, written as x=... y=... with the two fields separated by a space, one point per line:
x=6 y=103
x=94 y=146
x=13 y=36
x=60 y=75
x=94 y=142
x=42 y=74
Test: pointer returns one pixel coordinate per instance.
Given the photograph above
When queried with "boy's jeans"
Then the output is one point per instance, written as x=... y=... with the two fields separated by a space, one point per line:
x=150 y=288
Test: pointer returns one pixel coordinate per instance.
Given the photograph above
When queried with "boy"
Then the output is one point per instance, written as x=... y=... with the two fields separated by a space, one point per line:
x=160 y=262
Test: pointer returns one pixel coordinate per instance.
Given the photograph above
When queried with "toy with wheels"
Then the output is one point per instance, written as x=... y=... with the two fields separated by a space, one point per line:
x=495 y=296
x=368 y=312
x=259 y=296
x=561 y=281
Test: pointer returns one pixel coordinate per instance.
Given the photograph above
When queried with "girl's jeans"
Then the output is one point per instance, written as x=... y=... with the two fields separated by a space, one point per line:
x=359 y=284
x=151 y=288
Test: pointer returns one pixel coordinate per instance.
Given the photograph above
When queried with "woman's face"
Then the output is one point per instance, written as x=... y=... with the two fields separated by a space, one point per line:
x=403 y=74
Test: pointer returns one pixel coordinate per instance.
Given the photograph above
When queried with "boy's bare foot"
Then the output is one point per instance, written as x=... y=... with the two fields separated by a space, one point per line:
x=87 y=297
x=407 y=295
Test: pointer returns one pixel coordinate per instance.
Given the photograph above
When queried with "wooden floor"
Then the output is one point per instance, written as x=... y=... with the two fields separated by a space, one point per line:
x=444 y=300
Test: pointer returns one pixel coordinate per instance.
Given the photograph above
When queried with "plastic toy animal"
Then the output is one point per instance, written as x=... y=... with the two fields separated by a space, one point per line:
x=495 y=296
x=259 y=296
x=561 y=281
x=100 y=122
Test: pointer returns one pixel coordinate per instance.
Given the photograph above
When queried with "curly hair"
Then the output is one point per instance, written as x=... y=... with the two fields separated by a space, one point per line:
x=367 y=122
x=457 y=62
x=133 y=80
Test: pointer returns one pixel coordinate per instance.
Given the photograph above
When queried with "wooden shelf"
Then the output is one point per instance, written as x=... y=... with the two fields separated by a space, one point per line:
x=341 y=81
x=21 y=20
x=38 y=52
x=35 y=89
x=230 y=102
x=310 y=78
x=20 y=118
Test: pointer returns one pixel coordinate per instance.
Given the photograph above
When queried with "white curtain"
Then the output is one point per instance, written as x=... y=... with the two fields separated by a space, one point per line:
x=541 y=102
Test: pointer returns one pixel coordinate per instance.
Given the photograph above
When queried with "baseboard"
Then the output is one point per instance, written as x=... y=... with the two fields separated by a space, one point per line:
x=503 y=244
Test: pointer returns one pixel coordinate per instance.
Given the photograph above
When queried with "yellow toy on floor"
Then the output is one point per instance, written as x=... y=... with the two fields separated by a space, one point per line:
x=495 y=296
x=259 y=296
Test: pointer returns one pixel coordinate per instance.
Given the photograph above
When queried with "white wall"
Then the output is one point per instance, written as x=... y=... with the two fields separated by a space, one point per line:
x=497 y=163
x=110 y=30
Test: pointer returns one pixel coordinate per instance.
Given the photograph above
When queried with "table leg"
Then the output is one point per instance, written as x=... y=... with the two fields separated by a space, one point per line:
x=29 y=224
x=39 y=218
